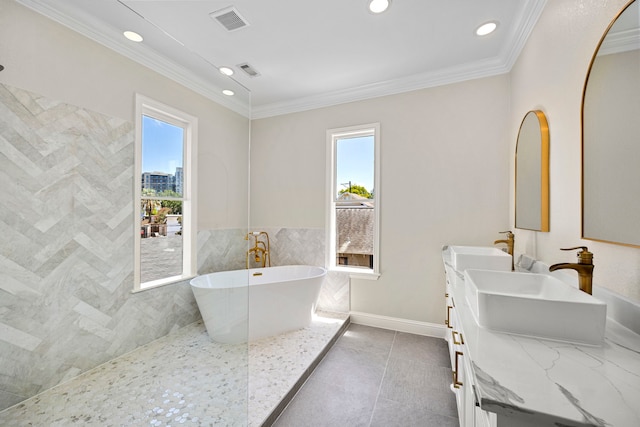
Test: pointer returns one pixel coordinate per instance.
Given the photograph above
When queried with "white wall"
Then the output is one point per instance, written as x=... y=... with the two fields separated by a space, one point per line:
x=550 y=75
x=445 y=180
x=46 y=58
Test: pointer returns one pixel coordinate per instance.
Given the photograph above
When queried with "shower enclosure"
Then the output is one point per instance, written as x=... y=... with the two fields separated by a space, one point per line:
x=73 y=244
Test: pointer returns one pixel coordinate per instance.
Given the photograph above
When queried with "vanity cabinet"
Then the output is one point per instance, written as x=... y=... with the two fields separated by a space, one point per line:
x=462 y=383
x=507 y=380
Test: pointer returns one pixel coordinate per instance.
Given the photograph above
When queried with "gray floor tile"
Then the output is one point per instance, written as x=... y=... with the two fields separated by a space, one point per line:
x=367 y=338
x=389 y=413
x=352 y=368
x=419 y=384
x=424 y=349
x=409 y=375
x=320 y=404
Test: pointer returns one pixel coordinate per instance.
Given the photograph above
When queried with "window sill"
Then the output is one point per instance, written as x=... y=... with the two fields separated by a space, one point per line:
x=358 y=273
x=162 y=282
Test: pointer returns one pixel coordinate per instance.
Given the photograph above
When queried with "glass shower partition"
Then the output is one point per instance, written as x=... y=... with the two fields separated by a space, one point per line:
x=82 y=341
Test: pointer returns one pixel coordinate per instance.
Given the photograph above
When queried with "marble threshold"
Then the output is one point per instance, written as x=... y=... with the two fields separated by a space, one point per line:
x=185 y=378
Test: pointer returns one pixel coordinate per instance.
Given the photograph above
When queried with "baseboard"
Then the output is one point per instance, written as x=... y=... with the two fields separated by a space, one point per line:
x=397 y=324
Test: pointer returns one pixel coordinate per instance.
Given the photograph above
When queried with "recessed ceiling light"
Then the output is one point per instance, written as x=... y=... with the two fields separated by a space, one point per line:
x=133 y=36
x=487 y=28
x=379 y=6
x=228 y=92
x=226 y=71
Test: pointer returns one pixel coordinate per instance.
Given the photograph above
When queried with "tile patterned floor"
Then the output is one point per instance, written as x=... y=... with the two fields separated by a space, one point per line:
x=375 y=377
x=183 y=378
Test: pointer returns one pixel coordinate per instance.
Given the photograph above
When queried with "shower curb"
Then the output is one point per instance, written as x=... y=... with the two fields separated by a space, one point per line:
x=280 y=407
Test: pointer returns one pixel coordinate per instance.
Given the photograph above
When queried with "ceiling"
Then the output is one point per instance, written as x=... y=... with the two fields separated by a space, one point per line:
x=308 y=54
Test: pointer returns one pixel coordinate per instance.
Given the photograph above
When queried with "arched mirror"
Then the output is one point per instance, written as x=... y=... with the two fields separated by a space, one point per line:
x=611 y=135
x=532 y=173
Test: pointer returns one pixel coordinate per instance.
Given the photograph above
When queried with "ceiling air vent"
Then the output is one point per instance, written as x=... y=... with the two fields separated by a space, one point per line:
x=248 y=69
x=229 y=18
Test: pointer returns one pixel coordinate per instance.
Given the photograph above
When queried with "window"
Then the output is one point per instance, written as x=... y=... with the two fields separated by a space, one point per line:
x=165 y=229
x=353 y=199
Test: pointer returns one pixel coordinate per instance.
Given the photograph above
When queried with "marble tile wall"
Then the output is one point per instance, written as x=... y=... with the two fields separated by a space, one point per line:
x=66 y=253
x=221 y=250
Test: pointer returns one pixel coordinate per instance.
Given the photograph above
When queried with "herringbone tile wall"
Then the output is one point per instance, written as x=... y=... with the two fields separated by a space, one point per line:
x=66 y=257
x=221 y=250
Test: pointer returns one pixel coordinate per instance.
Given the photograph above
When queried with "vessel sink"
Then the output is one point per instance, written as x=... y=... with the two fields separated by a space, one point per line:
x=535 y=305
x=489 y=258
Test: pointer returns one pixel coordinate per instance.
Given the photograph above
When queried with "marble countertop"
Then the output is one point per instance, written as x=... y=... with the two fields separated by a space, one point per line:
x=551 y=383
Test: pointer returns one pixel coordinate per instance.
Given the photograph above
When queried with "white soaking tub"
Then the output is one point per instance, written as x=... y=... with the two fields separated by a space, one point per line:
x=278 y=300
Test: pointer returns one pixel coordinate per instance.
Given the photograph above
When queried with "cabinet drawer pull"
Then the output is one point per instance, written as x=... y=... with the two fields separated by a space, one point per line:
x=456 y=383
x=448 y=319
x=455 y=341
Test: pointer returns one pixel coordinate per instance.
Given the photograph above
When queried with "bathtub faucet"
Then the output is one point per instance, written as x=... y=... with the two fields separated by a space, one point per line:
x=260 y=250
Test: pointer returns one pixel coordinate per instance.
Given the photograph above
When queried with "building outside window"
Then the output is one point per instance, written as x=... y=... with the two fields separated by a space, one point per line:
x=353 y=199
x=159 y=182
x=178 y=180
x=166 y=141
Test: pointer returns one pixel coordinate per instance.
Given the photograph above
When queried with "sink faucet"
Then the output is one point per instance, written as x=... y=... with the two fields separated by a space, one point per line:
x=584 y=267
x=509 y=241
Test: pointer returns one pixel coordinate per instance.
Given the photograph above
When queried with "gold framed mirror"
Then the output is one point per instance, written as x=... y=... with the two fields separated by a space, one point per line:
x=611 y=134
x=532 y=173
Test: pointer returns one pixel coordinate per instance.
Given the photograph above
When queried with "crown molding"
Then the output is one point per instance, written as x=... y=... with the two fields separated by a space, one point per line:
x=440 y=77
x=525 y=24
x=97 y=32
x=622 y=41
x=138 y=53
x=487 y=68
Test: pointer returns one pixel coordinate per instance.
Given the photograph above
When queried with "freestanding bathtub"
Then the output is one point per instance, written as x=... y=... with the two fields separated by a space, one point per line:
x=257 y=303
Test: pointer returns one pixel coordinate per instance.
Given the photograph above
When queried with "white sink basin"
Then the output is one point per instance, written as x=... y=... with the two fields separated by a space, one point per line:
x=534 y=305
x=488 y=258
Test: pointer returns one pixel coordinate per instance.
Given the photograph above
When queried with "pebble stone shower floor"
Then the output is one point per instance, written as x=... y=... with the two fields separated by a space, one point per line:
x=184 y=379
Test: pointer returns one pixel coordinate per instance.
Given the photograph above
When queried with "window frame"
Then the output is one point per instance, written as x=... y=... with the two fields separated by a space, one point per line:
x=151 y=108
x=333 y=135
